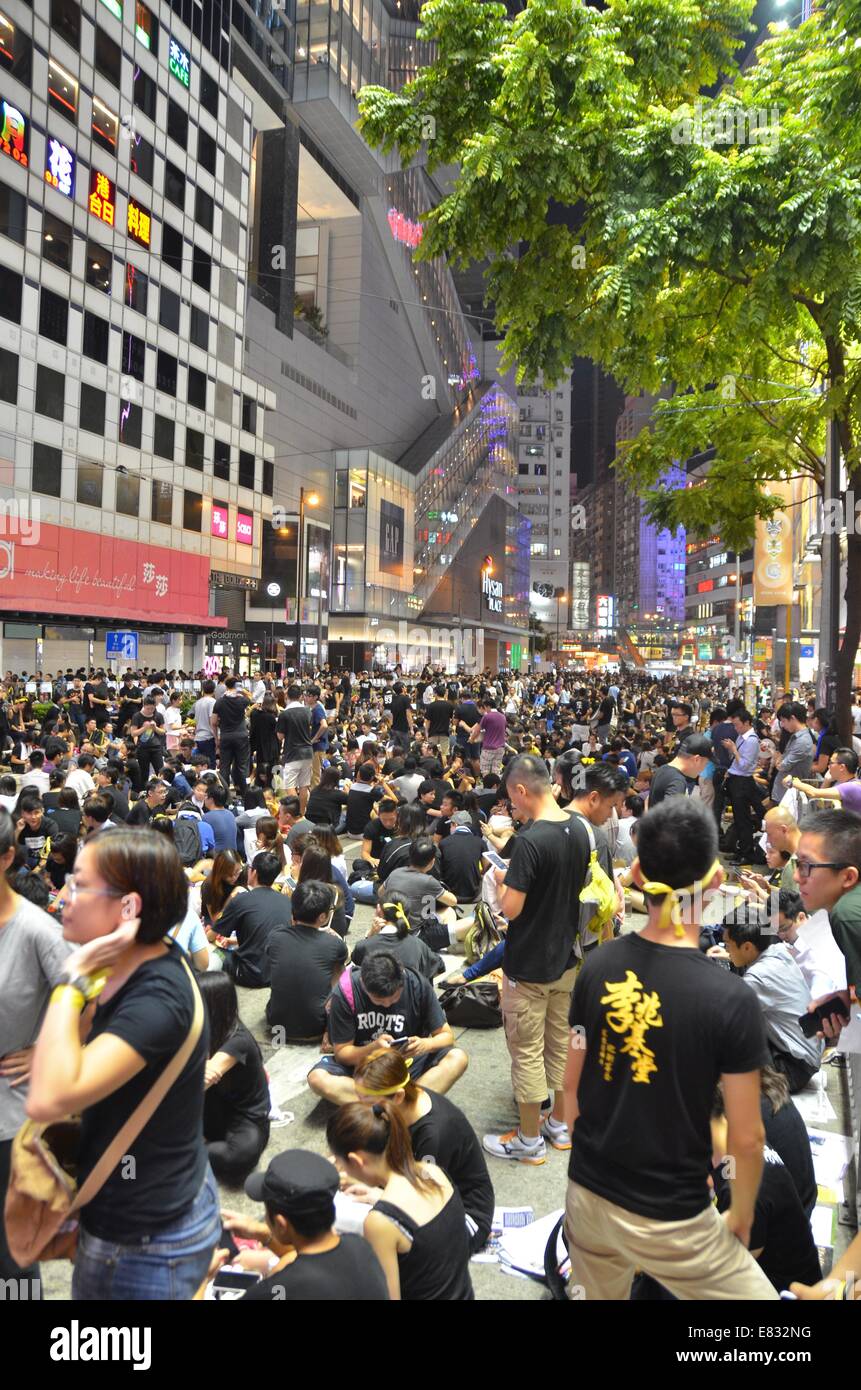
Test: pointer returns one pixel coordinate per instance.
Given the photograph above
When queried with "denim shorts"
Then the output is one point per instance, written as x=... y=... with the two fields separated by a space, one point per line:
x=169 y=1265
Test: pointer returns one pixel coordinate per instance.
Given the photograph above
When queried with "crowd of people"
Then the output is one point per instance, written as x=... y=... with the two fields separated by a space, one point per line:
x=661 y=878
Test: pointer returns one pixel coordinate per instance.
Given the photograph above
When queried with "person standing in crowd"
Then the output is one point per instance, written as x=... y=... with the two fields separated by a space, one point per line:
x=152 y=1238
x=319 y=733
x=740 y=785
x=796 y=758
x=230 y=728
x=654 y=1027
x=401 y=710
x=297 y=752
x=542 y=887
x=491 y=731
x=204 y=736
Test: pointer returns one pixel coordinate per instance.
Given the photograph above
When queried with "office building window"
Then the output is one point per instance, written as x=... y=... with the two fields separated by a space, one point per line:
x=171 y=247
x=201 y=270
x=144 y=93
x=53 y=317
x=246 y=469
x=50 y=392
x=194 y=449
x=268 y=477
x=105 y=126
x=177 y=126
x=135 y=288
x=95 y=341
x=13 y=214
x=16 y=51
x=249 y=414
x=168 y=310
x=141 y=158
x=92 y=411
x=204 y=210
x=109 y=57
x=133 y=360
x=197 y=388
x=47 y=469
x=208 y=93
x=90 y=479
x=174 y=185
x=62 y=91
x=98 y=267
x=165 y=375
x=162 y=503
x=11 y=289
x=192 y=511
x=56 y=241
x=163 y=437
x=8 y=376
x=199 y=328
x=130 y=424
x=128 y=494
x=221 y=465
x=146 y=28
x=206 y=149
x=66 y=21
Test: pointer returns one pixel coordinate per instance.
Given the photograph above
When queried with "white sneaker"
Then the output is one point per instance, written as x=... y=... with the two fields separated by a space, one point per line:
x=511 y=1145
x=557 y=1135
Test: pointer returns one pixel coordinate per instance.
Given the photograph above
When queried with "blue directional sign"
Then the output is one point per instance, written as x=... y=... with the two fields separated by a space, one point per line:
x=121 y=644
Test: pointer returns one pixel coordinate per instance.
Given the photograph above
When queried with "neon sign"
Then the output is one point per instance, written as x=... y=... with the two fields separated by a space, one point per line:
x=139 y=223
x=14 y=133
x=218 y=526
x=103 y=197
x=245 y=528
x=179 y=63
x=60 y=168
x=410 y=233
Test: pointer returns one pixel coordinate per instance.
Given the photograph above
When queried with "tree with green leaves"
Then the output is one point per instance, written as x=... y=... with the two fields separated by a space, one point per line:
x=716 y=242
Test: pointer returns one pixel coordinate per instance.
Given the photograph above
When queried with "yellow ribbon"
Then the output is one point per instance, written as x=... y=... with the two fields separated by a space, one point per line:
x=670 y=914
x=387 y=1090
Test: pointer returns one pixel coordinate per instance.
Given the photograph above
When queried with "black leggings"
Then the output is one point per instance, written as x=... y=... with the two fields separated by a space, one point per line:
x=235 y=1153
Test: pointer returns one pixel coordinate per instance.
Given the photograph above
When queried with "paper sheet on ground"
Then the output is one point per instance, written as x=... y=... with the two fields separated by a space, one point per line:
x=523 y=1249
x=822 y=1226
x=831 y=1155
x=504 y=1219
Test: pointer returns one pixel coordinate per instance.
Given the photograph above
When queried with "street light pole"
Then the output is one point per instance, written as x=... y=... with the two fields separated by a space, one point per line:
x=299 y=540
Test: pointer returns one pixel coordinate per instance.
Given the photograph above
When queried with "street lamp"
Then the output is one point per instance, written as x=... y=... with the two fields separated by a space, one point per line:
x=312 y=500
x=559 y=595
x=273 y=590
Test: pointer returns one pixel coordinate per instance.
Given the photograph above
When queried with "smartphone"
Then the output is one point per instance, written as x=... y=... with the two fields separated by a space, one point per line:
x=496 y=859
x=231 y=1282
x=400 y=1042
x=811 y=1024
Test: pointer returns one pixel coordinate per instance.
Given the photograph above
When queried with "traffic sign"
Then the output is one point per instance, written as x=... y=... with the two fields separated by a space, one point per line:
x=122 y=645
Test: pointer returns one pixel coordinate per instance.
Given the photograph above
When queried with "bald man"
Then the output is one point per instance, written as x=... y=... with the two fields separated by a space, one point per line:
x=783 y=833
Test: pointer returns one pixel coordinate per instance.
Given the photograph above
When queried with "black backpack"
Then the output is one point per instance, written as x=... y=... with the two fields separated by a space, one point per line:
x=186 y=837
x=474 y=1005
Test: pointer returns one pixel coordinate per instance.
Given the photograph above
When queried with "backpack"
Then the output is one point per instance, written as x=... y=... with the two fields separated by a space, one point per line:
x=482 y=936
x=597 y=899
x=474 y=1005
x=186 y=837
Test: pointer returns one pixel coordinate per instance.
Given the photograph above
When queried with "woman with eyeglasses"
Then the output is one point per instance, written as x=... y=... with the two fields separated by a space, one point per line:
x=128 y=1006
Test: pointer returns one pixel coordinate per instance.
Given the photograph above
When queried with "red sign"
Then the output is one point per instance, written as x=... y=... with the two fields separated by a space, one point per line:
x=410 y=233
x=79 y=574
x=219 y=522
x=245 y=528
x=103 y=197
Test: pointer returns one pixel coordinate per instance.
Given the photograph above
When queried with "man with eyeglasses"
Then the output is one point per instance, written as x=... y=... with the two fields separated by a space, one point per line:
x=828 y=869
x=843 y=786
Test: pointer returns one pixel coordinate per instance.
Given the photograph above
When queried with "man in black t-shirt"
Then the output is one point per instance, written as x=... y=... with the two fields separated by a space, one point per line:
x=401 y=711
x=147 y=730
x=461 y=853
x=248 y=921
x=384 y=1005
x=654 y=1027
x=298 y=1190
x=130 y=697
x=541 y=901
x=231 y=734
x=96 y=699
x=439 y=715
x=379 y=831
x=305 y=960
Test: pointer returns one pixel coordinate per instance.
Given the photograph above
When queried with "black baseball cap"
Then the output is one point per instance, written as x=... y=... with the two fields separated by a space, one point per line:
x=296 y=1180
x=697 y=746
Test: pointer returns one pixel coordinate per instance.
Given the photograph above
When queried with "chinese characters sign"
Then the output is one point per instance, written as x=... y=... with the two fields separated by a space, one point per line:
x=103 y=197
x=139 y=223
x=14 y=133
x=179 y=63
x=60 y=168
x=218 y=525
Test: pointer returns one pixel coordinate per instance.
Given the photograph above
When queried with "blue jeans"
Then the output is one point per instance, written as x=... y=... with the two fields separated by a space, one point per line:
x=169 y=1265
x=364 y=891
x=206 y=746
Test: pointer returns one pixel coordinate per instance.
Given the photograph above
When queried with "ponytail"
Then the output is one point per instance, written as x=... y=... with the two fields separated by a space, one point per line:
x=377 y=1129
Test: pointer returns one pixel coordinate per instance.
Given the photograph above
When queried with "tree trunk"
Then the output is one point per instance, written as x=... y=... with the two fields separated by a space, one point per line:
x=852 y=635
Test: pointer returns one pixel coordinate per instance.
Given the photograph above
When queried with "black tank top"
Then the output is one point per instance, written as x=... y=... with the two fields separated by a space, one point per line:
x=436 y=1267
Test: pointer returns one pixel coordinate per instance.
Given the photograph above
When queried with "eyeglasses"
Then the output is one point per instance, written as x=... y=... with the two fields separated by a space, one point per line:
x=804 y=866
x=73 y=889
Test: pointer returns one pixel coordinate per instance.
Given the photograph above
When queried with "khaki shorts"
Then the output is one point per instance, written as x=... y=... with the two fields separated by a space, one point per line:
x=297 y=775
x=537 y=1032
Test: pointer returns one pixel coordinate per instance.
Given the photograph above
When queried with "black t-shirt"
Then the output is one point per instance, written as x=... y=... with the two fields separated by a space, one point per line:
x=487 y=799
x=364 y=690
x=416 y=1014
x=325 y=804
x=378 y=835
x=399 y=706
x=63 y=822
x=92 y=710
x=668 y=781
x=445 y=1137
x=294 y=726
x=152 y=1012
x=351 y=1273
x=251 y=917
x=786 y=1133
x=141 y=813
x=549 y=862
x=359 y=803
x=469 y=713
x=411 y=951
x=780 y=1228
x=302 y=961
x=242 y=1092
x=661 y=1027
x=461 y=854
x=231 y=714
x=439 y=717
x=388 y=696
x=129 y=698
x=151 y=738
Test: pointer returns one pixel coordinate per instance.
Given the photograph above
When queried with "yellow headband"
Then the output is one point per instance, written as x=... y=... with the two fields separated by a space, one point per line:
x=387 y=1090
x=670 y=914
